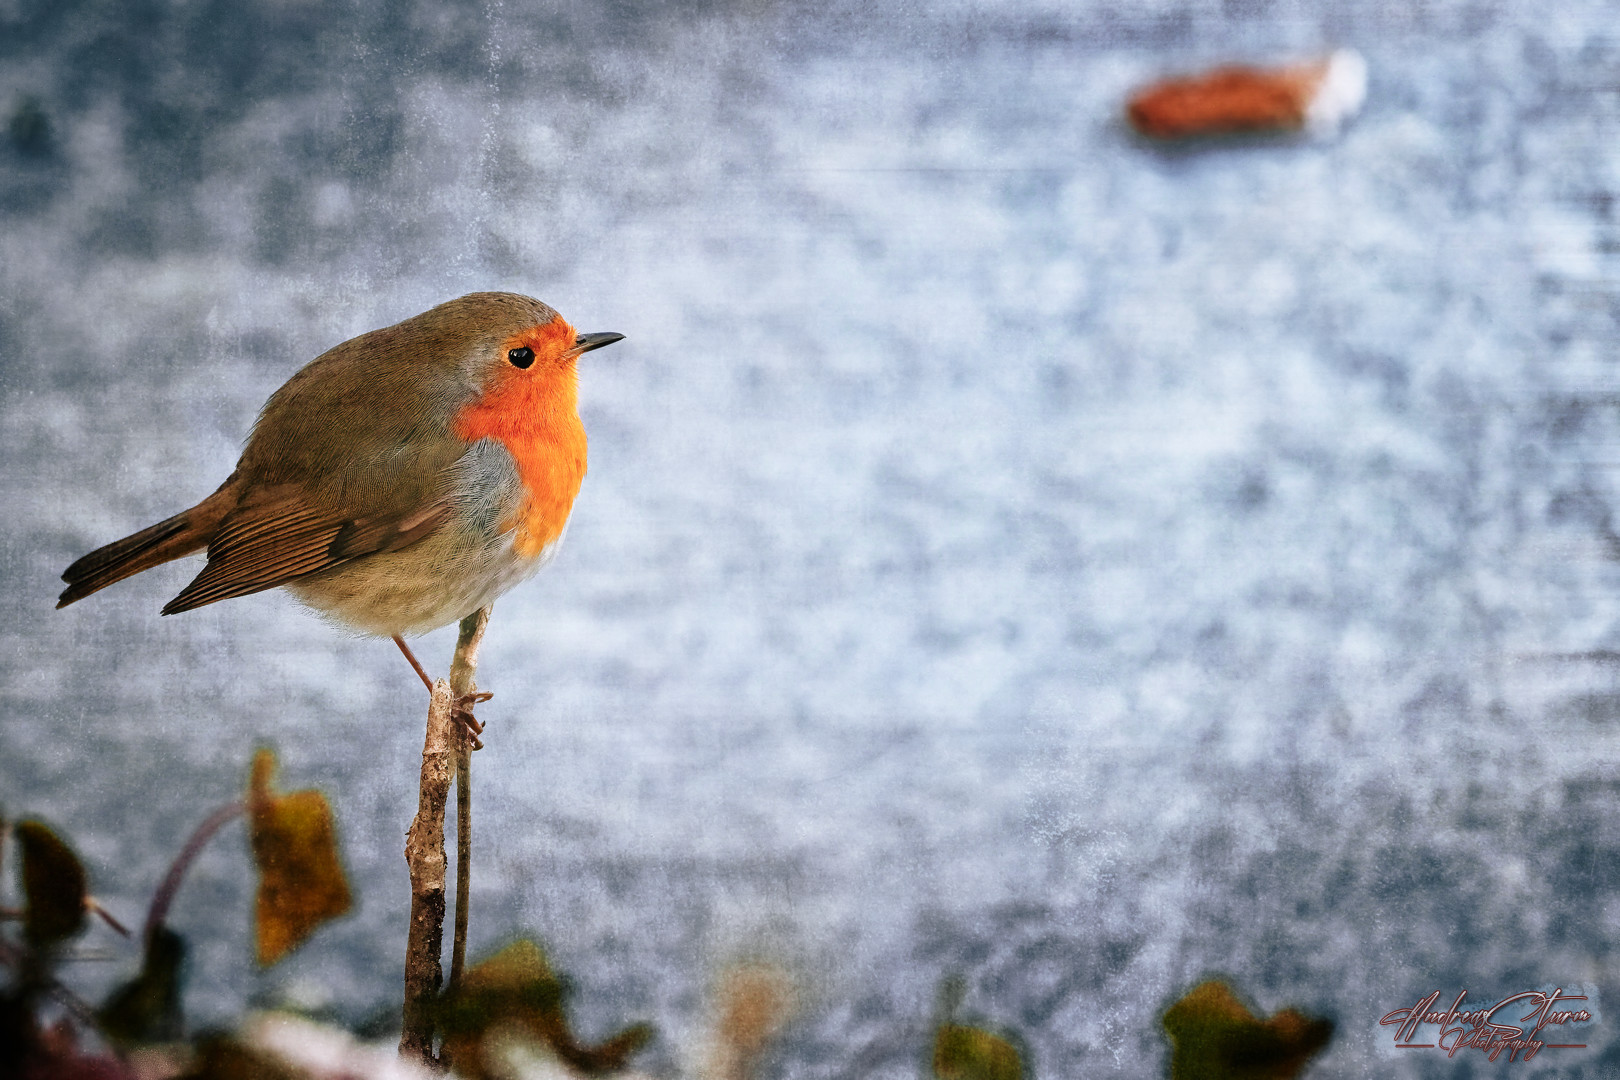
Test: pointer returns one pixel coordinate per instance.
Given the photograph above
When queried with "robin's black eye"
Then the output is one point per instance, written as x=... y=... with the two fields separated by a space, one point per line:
x=521 y=357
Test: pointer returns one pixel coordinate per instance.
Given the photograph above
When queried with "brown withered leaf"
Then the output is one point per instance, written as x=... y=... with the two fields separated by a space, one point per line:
x=515 y=992
x=1216 y=1037
x=301 y=879
x=53 y=885
x=970 y=1053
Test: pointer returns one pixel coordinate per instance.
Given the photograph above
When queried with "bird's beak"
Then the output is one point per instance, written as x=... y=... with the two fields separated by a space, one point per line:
x=584 y=343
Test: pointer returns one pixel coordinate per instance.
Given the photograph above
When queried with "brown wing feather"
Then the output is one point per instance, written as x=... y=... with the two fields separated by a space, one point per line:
x=173 y=538
x=274 y=537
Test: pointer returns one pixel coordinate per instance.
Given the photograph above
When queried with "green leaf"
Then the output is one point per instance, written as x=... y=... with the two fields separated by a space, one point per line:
x=53 y=885
x=514 y=983
x=301 y=879
x=516 y=990
x=1216 y=1037
x=147 y=1008
x=969 y=1053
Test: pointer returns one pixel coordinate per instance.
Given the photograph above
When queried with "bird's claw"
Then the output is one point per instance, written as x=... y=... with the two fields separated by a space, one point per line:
x=470 y=727
x=462 y=711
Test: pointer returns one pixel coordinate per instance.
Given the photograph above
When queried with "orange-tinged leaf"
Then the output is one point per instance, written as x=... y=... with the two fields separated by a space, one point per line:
x=969 y=1053
x=53 y=885
x=753 y=1000
x=301 y=879
x=1216 y=1037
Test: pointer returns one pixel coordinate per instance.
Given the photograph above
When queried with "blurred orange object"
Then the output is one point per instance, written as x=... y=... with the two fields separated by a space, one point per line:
x=1317 y=96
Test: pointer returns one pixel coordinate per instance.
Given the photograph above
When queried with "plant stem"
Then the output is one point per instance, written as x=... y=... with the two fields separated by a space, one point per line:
x=424 y=855
x=462 y=669
x=159 y=910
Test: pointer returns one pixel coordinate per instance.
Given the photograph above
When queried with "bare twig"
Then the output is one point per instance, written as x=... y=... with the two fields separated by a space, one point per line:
x=106 y=916
x=159 y=911
x=424 y=855
x=462 y=669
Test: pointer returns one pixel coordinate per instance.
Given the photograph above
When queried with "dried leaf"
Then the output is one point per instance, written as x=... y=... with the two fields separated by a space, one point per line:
x=1216 y=1037
x=53 y=885
x=301 y=879
x=515 y=992
x=968 y=1053
x=147 y=1008
x=610 y=1056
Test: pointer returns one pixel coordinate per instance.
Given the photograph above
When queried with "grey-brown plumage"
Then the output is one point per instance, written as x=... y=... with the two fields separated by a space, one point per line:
x=358 y=490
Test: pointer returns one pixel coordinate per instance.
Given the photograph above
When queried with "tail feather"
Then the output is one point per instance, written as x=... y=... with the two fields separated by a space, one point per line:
x=186 y=532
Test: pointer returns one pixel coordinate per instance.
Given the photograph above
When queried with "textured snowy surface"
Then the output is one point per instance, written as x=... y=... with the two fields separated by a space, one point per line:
x=1010 y=550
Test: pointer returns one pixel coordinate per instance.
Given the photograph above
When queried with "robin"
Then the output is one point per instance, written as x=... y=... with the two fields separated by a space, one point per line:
x=399 y=482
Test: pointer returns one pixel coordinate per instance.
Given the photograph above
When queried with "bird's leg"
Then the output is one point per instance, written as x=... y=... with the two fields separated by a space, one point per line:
x=462 y=708
x=415 y=664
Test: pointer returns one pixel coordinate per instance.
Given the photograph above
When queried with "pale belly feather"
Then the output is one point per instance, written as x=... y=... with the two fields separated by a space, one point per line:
x=462 y=566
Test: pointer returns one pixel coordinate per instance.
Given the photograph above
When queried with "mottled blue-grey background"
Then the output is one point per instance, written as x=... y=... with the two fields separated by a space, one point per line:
x=1010 y=550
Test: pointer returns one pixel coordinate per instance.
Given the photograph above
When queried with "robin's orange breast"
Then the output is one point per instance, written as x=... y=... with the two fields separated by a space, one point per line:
x=537 y=421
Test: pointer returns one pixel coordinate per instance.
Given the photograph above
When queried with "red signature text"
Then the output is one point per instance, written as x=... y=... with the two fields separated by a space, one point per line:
x=1481 y=1029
